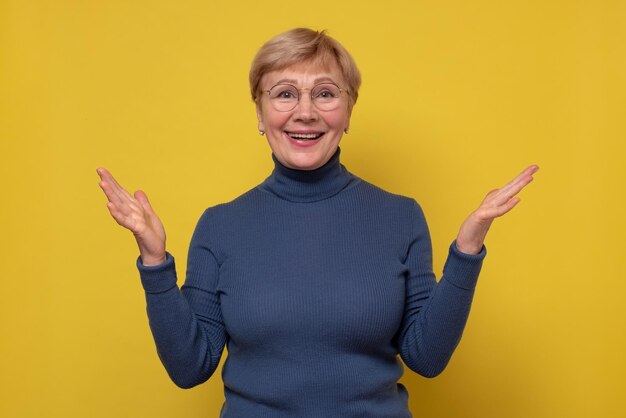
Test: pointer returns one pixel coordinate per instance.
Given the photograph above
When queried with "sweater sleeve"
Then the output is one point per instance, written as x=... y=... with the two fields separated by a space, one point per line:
x=435 y=313
x=186 y=323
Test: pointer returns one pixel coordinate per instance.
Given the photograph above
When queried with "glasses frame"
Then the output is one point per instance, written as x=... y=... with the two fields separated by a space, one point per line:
x=300 y=91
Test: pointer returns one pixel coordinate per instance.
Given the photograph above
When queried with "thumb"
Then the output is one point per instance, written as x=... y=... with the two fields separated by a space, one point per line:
x=143 y=200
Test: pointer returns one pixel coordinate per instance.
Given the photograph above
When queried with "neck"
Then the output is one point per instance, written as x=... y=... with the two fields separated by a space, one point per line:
x=308 y=185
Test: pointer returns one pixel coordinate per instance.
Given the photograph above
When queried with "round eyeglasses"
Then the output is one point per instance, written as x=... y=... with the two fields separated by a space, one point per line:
x=324 y=96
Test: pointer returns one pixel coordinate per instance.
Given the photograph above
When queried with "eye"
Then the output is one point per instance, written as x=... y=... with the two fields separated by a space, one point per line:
x=283 y=92
x=326 y=92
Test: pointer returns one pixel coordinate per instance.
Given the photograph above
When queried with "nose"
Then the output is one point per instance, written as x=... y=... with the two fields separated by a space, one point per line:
x=305 y=110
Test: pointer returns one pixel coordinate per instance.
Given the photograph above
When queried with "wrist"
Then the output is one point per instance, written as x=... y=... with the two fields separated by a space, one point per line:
x=472 y=235
x=148 y=261
x=465 y=248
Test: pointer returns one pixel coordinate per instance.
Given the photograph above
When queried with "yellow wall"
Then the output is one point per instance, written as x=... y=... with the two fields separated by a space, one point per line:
x=458 y=96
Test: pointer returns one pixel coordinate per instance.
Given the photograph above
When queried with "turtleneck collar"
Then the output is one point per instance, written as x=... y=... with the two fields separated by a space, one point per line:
x=308 y=185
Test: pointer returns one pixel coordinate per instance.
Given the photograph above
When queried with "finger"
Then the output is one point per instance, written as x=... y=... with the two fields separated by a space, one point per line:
x=492 y=212
x=530 y=170
x=101 y=171
x=524 y=175
x=491 y=193
x=508 y=205
x=119 y=217
x=504 y=195
x=110 y=193
x=125 y=201
x=115 y=186
x=105 y=175
x=121 y=191
x=514 y=186
x=126 y=206
x=142 y=198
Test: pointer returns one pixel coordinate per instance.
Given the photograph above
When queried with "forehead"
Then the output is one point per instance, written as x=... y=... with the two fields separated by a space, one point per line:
x=304 y=74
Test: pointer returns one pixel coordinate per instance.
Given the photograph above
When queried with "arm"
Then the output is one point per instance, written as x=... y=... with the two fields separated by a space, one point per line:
x=436 y=313
x=186 y=324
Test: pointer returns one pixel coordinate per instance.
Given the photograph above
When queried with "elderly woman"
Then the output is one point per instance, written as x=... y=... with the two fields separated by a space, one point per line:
x=316 y=280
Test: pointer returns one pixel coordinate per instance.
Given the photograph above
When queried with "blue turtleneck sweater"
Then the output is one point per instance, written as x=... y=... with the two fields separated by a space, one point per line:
x=316 y=281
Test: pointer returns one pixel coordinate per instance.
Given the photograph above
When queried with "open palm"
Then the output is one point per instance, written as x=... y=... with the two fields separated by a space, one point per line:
x=135 y=213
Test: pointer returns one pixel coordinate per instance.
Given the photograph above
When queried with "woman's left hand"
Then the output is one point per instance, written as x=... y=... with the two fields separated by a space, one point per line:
x=498 y=202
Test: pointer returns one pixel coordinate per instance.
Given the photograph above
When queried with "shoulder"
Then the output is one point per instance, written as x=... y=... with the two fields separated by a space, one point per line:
x=219 y=223
x=224 y=212
x=394 y=201
x=392 y=214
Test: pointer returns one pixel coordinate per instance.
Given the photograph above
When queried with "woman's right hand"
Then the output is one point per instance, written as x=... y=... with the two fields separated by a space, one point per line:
x=135 y=214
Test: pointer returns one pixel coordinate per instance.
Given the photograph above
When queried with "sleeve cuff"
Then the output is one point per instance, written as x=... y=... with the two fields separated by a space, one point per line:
x=158 y=279
x=462 y=269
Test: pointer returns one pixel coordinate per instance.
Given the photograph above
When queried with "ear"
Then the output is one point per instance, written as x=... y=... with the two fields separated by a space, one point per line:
x=259 y=116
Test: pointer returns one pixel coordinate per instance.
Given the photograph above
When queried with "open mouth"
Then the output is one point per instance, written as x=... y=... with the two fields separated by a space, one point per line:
x=305 y=137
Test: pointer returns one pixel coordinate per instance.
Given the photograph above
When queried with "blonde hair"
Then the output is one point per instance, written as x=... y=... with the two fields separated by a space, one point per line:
x=303 y=45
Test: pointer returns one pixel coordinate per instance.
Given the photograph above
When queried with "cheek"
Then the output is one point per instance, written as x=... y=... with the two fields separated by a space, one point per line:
x=275 y=120
x=336 y=120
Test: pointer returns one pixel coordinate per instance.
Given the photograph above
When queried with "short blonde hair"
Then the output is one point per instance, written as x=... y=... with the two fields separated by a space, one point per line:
x=303 y=45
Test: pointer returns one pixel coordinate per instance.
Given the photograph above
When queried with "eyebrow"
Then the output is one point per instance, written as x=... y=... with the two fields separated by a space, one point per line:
x=293 y=81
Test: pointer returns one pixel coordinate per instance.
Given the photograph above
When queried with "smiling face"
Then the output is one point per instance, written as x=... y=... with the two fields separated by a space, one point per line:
x=304 y=138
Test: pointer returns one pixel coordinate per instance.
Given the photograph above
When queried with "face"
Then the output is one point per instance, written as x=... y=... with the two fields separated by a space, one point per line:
x=284 y=128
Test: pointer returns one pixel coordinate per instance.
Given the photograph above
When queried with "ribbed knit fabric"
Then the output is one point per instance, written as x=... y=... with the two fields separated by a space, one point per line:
x=316 y=281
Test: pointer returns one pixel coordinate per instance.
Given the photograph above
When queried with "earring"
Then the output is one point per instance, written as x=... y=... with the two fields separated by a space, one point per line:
x=261 y=132
x=346 y=131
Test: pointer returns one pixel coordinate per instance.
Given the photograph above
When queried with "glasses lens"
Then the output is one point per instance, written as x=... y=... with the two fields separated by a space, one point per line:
x=326 y=96
x=284 y=97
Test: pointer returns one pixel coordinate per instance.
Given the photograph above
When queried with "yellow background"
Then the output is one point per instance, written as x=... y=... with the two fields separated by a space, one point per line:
x=457 y=98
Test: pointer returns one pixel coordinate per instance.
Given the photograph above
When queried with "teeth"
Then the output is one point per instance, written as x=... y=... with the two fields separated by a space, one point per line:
x=304 y=136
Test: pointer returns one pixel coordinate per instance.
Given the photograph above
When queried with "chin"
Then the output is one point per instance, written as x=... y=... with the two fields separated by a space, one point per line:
x=307 y=161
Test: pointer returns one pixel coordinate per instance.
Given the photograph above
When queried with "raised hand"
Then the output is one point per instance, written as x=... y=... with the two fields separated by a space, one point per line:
x=498 y=202
x=135 y=214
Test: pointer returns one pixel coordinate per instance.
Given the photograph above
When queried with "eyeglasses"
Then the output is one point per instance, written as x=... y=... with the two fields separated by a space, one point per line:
x=325 y=96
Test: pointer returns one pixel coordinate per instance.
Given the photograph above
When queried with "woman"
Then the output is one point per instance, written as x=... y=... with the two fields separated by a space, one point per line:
x=315 y=279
